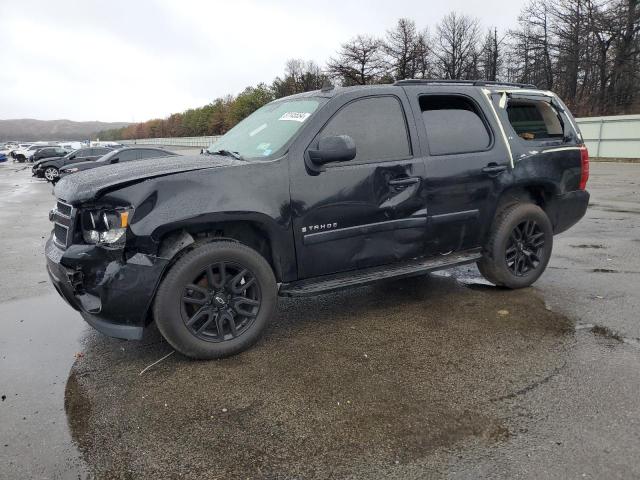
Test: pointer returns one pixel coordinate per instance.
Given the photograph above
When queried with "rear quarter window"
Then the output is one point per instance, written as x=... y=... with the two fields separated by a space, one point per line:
x=535 y=120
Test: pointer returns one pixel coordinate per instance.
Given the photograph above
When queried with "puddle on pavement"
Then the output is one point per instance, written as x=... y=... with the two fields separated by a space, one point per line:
x=342 y=383
x=38 y=341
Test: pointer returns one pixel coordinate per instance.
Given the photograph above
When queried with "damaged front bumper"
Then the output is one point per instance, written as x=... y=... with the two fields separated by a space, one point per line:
x=112 y=294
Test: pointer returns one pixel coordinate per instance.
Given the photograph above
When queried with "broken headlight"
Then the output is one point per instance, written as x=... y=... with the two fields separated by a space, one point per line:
x=105 y=226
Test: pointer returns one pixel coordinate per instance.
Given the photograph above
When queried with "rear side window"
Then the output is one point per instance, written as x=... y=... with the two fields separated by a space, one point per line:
x=128 y=155
x=154 y=153
x=535 y=120
x=377 y=125
x=454 y=125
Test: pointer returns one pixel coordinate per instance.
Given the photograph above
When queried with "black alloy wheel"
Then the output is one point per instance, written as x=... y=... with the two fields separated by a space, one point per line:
x=518 y=246
x=525 y=248
x=221 y=303
x=216 y=299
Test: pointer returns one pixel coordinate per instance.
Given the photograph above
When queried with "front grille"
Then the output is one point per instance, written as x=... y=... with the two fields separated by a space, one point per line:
x=60 y=234
x=64 y=209
x=63 y=224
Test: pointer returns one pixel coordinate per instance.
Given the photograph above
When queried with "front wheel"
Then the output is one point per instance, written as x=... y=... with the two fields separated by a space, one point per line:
x=51 y=173
x=519 y=246
x=216 y=300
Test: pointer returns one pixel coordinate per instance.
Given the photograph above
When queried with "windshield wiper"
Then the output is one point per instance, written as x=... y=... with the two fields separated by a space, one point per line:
x=228 y=153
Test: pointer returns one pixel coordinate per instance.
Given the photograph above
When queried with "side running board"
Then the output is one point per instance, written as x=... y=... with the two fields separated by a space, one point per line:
x=330 y=283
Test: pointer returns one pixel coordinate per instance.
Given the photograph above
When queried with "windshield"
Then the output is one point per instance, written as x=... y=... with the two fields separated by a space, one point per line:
x=266 y=130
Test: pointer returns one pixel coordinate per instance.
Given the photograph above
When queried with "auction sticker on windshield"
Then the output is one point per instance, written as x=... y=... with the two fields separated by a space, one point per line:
x=295 y=116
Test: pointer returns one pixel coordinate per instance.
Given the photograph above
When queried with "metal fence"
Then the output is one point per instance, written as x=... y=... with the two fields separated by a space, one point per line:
x=611 y=137
x=606 y=137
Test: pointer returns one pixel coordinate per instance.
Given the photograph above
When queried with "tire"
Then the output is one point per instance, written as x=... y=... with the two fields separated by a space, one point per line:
x=51 y=173
x=212 y=299
x=519 y=246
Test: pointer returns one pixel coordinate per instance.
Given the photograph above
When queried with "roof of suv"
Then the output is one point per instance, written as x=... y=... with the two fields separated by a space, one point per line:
x=332 y=91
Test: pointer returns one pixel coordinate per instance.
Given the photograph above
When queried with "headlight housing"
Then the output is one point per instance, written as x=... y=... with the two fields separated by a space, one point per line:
x=105 y=226
x=70 y=170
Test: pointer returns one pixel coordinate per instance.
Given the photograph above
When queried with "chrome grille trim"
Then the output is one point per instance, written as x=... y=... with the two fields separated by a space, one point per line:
x=64 y=209
x=64 y=220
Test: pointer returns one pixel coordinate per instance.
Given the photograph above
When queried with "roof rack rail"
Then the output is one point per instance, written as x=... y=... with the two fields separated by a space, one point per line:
x=471 y=83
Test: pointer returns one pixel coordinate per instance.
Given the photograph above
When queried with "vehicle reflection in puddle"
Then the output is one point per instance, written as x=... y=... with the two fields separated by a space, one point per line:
x=343 y=383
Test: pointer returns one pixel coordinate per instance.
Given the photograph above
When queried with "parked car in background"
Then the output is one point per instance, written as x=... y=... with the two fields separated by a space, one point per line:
x=48 y=152
x=71 y=146
x=49 y=168
x=19 y=150
x=3 y=157
x=121 y=155
x=6 y=149
x=109 y=143
x=27 y=154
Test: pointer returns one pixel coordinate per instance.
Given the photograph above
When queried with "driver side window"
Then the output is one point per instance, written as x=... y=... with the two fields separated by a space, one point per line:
x=377 y=125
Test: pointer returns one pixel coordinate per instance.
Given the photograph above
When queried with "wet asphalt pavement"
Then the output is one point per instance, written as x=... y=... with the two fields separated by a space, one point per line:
x=441 y=376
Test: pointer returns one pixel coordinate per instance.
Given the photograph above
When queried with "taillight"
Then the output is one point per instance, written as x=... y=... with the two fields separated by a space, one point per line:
x=584 y=167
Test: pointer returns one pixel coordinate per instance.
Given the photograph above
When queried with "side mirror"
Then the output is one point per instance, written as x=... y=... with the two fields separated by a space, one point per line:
x=115 y=160
x=340 y=148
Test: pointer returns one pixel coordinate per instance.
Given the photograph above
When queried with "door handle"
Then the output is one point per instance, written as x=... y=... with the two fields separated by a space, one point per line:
x=403 y=182
x=494 y=169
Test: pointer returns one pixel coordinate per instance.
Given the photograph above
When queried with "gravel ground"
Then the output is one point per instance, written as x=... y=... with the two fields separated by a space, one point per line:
x=441 y=376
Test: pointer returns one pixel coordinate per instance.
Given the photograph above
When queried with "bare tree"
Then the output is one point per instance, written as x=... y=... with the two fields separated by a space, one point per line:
x=457 y=37
x=359 y=62
x=531 y=48
x=570 y=29
x=423 y=56
x=625 y=75
x=491 y=59
x=406 y=50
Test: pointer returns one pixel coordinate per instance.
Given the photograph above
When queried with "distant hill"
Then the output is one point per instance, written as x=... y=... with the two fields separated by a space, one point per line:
x=30 y=129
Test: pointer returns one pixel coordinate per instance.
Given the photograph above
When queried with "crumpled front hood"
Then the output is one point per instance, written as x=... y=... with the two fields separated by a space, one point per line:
x=87 y=185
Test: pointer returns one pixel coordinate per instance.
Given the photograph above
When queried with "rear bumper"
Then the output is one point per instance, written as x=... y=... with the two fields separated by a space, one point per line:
x=111 y=294
x=567 y=210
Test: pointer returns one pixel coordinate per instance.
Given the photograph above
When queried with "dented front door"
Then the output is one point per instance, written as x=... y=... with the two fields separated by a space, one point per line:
x=368 y=211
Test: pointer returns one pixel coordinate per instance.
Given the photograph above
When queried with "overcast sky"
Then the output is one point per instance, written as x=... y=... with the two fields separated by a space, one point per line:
x=135 y=60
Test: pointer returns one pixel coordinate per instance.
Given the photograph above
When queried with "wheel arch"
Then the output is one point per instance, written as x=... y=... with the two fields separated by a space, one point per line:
x=267 y=238
x=540 y=193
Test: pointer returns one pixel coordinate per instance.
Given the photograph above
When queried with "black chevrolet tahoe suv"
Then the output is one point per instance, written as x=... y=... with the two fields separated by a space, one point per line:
x=317 y=192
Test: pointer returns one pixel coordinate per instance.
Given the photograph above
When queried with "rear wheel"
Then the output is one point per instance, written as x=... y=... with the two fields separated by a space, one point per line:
x=51 y=173
x=519 y=246
x=216 y=300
